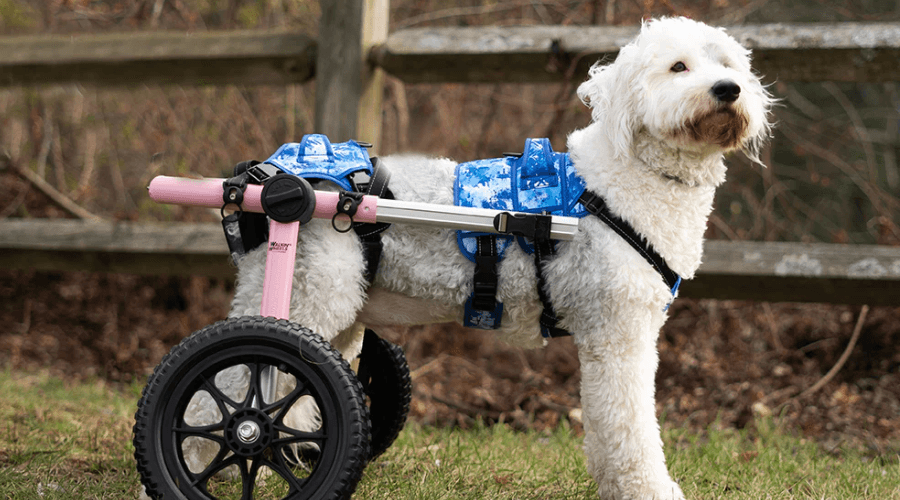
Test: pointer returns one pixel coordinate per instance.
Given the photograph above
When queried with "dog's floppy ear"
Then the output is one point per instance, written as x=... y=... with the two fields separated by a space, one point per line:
x=612 y=93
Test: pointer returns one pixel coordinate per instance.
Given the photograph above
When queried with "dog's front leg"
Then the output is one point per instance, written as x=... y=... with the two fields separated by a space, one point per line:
x=622 y=437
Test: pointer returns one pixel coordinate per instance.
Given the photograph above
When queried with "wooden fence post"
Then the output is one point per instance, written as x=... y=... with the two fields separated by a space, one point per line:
x=346 y=30
x=375 y=32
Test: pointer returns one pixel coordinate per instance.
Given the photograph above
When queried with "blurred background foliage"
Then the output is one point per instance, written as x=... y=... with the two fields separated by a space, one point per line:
x=832 y=171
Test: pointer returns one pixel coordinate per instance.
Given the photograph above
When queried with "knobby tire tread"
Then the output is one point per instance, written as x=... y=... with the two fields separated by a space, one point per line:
x=390 y=393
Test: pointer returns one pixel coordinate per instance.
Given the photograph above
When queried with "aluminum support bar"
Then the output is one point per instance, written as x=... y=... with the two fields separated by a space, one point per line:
x=464 y=218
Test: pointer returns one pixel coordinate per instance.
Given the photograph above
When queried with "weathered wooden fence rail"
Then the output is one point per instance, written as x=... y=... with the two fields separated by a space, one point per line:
x=867 y=52
x=132 y=59
x=353 y=48
x=853 y=274
x=796 y=52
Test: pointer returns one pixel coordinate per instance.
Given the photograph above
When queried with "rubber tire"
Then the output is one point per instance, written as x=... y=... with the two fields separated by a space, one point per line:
x=263 y=342
x=386 y=381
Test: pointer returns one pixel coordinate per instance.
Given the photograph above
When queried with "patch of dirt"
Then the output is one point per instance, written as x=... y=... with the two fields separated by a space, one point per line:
x=721 y=363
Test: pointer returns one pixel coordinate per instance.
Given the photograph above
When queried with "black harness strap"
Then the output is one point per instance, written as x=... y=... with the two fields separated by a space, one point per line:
x=370 y=234
x=543 y=250
x=535 y=227
x=484 y=297
x=597 y=206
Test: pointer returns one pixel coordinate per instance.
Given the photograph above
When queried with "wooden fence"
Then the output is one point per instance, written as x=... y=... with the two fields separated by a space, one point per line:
x=853 y=274
x=348 y=62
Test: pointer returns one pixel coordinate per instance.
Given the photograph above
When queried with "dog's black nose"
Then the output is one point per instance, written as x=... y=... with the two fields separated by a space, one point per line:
x=726 y=91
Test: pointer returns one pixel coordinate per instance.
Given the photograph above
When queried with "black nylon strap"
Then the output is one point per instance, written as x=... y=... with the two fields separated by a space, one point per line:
x=484 y=297
x=543 y=250
x=378 y=186
x=597 y=206
x=370 y=234
x=244 y=231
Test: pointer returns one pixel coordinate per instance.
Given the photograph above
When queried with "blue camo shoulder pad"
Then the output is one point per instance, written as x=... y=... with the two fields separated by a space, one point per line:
x=538 y=180
x=315 y=157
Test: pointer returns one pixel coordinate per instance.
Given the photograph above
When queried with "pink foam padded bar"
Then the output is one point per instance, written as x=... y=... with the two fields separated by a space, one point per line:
x=198 y=192
x=208 y=193
x=282 y=249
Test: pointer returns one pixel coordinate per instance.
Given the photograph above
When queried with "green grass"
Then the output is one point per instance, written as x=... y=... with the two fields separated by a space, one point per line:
x=496 y=463
x=62 y=440
x=770 y=464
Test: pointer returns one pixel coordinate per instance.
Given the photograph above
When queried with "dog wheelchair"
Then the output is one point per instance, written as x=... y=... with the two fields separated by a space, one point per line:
x=257 y=451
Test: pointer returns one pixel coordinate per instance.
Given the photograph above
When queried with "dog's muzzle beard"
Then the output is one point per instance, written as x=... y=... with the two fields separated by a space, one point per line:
x=723 y=126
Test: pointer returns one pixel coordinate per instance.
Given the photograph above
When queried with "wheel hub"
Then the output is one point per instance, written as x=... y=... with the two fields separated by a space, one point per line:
x=248 y=432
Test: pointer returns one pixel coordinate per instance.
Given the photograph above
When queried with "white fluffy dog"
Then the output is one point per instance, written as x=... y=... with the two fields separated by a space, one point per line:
x=664 y=112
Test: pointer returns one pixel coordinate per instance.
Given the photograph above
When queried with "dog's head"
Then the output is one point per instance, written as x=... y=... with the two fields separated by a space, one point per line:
x=685 y=83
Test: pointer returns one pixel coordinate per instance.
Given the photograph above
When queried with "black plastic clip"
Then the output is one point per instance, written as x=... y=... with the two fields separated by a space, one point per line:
x=233 y=194
x=347 y=204
x=261 y=172
x=484 y=290
x=534 y=226
x=233 y=190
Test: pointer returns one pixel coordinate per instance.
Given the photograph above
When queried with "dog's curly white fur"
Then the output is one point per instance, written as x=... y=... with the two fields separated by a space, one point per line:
x=664 y=112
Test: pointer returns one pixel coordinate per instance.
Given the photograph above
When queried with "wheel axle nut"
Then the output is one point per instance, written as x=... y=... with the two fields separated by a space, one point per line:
x=248 y=432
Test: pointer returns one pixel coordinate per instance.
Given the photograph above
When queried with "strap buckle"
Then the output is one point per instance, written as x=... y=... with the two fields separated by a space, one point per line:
x=484 y=294
x=261 y=172
x=534 y=226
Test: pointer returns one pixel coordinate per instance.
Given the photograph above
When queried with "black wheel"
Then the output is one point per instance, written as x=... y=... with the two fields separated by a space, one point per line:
x=386 y=382
x=209 y=427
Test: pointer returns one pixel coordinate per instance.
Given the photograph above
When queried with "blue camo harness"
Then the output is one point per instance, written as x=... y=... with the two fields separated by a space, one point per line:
x=539 y=181
x=315 y=157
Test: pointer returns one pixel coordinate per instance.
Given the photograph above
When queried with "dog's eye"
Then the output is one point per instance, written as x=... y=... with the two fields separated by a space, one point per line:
x=678 y=67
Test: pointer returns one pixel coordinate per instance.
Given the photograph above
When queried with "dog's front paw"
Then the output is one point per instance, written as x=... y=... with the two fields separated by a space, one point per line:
x=669 y=490
x=663 y=490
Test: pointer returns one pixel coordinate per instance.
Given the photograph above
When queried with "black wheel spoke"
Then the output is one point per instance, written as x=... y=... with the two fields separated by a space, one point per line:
x=248 y=478
x=284 y=404
x=219 y=397
x=203 y=431
x=283 y=469
x=219 y=463
x=298 y=436
x=254 y=390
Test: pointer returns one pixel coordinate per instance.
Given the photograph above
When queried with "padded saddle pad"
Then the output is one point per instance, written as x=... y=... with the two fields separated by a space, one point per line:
x=539 y=180
x=315 y=157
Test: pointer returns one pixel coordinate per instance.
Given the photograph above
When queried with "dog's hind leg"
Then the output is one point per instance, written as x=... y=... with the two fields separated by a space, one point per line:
x=622 y=437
